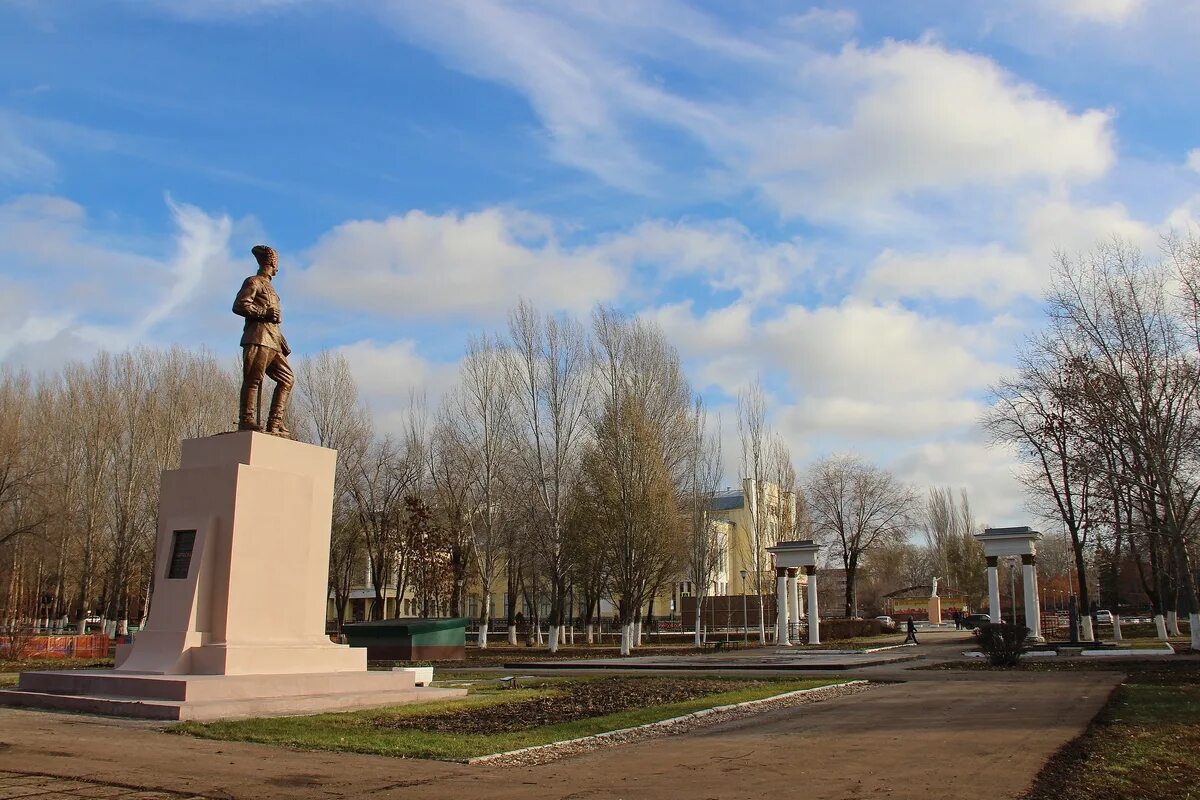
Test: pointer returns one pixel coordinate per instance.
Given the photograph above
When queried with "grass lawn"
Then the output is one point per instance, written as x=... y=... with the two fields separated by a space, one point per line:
x=10 y=670
x=1144 y=745
x=418 y=731
x=857 y=643
x=1154 y=644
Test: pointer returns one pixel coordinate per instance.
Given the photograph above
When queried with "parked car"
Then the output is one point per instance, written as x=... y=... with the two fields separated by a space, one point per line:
x=973 y=621
x=1104 y=617
x=887 y=623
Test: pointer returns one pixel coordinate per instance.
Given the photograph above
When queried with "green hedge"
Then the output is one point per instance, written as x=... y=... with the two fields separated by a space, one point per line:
x=850 y=628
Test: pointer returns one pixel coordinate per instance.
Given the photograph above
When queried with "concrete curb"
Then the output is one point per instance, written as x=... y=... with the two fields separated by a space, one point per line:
x=1128 y=653
x=816 y=651
x=662 y=723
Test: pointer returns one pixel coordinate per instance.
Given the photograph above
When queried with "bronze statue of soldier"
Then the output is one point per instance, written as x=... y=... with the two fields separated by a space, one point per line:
x=264 y=349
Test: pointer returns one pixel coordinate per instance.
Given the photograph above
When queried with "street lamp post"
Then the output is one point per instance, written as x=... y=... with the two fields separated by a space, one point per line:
x=745 y=619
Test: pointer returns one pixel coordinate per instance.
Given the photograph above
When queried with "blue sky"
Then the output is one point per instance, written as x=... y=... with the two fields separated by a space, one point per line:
x=858 y=201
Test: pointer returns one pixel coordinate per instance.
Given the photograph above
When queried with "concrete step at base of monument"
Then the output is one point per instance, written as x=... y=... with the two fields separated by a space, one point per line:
x=200 y=688
x=227 y=708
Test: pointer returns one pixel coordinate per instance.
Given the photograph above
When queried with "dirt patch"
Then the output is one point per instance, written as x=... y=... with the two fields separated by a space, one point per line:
x=1159 y=671
x=567 y=702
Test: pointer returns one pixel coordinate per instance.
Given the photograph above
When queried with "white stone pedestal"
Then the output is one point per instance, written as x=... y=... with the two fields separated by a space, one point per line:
x=252 y=598
x=237 y=613
x=935 y=610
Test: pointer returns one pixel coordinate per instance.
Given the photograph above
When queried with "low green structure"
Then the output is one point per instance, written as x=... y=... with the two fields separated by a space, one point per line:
x=411 y=639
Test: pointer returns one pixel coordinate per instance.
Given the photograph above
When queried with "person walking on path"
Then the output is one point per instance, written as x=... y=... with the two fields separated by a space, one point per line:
x=911 y=632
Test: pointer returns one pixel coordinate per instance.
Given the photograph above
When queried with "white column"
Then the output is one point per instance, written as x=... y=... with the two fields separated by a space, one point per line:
x=1033 y=611
x=799 y=598
x=993 y=589
x=814 y=616
x=794 y=606
x=781 y=607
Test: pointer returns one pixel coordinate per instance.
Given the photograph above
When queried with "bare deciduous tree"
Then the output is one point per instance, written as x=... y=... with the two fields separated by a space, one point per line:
x=855 y=506
x=707 y=546
x=755 y=440
x=551 y=379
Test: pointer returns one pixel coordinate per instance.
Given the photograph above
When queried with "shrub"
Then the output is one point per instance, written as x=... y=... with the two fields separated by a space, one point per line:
x=849 y=628
x=16 y=643
x=1002 y=642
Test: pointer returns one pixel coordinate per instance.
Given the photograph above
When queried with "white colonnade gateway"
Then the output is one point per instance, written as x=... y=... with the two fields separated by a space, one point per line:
x=1019 y=541
x=790 y=557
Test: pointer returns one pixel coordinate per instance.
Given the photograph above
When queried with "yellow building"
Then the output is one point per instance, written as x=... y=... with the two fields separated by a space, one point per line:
x=736 y=511
x=733 y=515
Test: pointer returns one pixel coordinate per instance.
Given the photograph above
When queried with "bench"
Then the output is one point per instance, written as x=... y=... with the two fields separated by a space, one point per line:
x=726 y=644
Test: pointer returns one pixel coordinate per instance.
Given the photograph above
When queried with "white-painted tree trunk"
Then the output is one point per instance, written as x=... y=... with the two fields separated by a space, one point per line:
x=1085 y=629
x=512 y=634
x=591 y=636
x=1194 y=624
x=1160 y=627
x=122 y=627
x=537 y=634
x=698 y=638
x=626 y=636
x=571 y=635
x=552 y=638
x=1117 y=628
x=483 y=625
x=1173 y=624
x=637 y=634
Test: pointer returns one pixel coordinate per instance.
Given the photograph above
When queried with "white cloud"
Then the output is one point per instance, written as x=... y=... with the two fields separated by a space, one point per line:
x=560 y=57
x=423 y=266
x=997 y=275
x=990 y=274
x=86 y=291
x=856 y=351
x=393 y=375
x=870 y=420
x=1185 y=217
x=855 y=136
x=1107 y=12
x=1193 y=160
x=1060 y=225
x=722 y=250
x=202 y=247
x=987 y=473
x=394 y=371
x=224 y=10
x=20 y=161
x=922 y=119
x=823 y=21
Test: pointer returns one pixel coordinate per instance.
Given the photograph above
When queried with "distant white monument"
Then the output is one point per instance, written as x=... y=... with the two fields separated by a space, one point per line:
x=935 y=605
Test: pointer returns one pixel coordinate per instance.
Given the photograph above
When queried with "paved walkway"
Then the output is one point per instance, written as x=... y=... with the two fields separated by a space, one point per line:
x=937 y=735
x=767 y=658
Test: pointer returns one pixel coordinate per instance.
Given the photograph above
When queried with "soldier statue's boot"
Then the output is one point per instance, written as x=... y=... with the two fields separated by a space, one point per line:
x=278 y=404
x=247 y=414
